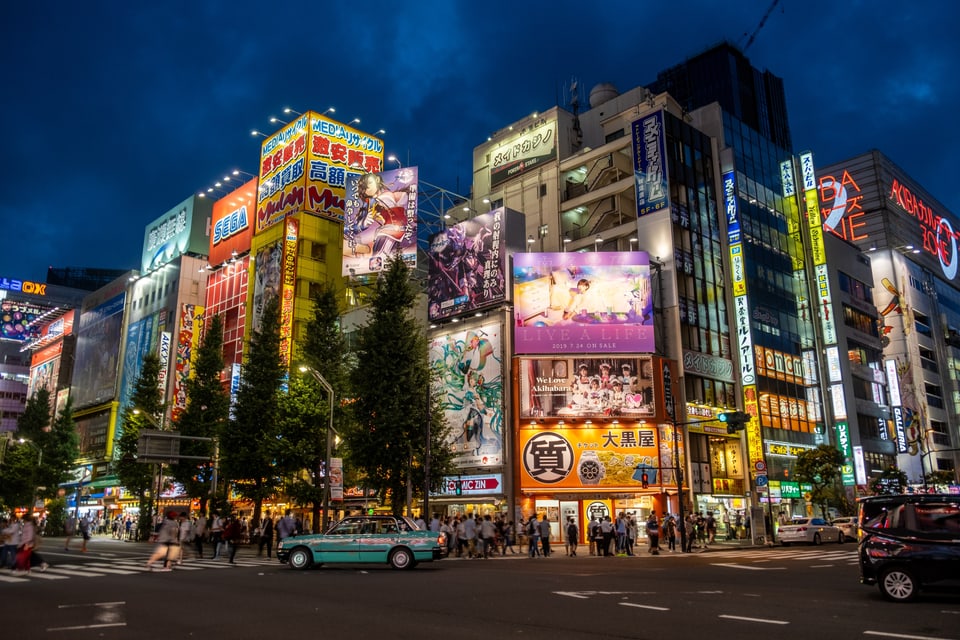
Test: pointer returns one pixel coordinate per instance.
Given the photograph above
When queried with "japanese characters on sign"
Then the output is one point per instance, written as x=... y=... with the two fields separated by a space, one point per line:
x=380 y=220
x=650 y=163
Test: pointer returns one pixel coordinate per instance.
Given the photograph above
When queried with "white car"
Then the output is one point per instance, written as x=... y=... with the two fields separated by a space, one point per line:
x=848 y=525
x=811 y=530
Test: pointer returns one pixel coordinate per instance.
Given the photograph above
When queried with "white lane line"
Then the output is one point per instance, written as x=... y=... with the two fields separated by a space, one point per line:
x=13 y=579
x=901 y=635
x=68 y=572
x=643 y=606
x=743 y=566
x=99 y=569
x=820 y=566
x=91 y=604
x=746 y=619
x=88 y=626
x=571 y=594
x=47 y=576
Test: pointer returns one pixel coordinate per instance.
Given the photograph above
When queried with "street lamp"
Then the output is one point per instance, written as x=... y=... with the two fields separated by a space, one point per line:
x=326 y=461
x=392 y=158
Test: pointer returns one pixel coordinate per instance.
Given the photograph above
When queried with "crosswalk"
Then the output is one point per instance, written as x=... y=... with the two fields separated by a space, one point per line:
x=811 y=555
x=125 y=567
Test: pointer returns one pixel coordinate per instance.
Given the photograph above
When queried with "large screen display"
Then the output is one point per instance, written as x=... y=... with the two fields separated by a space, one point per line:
x=597 y=302
x=380 y=220
x=467 y=374
x=98 y=349
x=468 y=265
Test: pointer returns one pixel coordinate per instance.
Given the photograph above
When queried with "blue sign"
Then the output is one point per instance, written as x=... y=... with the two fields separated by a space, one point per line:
x=650 y=164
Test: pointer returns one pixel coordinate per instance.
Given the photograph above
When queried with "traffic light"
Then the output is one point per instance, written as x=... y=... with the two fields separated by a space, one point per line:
x=735 y=420
x=459 y=487
x=644 y=480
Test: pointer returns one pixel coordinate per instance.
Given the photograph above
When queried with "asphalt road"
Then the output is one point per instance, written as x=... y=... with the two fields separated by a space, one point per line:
x=797 y=593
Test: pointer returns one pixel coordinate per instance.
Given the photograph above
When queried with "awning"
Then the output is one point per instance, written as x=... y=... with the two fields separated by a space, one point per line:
x=104 y=482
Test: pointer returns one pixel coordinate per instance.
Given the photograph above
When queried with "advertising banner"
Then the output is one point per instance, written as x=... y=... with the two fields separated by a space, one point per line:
x=288 y=290
x=183 y=229
x=380 y=220
x=595 y=302
x=587 y=387
x=467 y=374
x=336 y=479
x=609 y=457
x=305 y=166
x=267 y=276
x=188 y=341
x=233 y=223
x=650 y=164
x=468 y=266
x=17 y=319
x=534 y=146
x=92 y=431
x=98 y=349
x=44 y=376
x=163 y=352
x=139 y=342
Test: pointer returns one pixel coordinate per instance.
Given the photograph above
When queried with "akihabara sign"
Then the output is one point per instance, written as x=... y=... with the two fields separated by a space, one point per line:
x=845 y=215
x=596 y=302
x=535 y=145
x=305 y=166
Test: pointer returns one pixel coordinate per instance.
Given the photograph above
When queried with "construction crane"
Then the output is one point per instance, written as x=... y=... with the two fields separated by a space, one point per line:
x=763 y=21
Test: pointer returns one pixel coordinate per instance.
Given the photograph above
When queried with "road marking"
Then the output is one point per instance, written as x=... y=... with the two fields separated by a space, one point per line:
x=48 y=576
x=746 y=619
x=13 y=579
x=88 y=626
x=820 y=566
x=743 y=566
x=99 y=569
x=643 y=606
x=68 y=572
x=92 y=604
x=901 y=635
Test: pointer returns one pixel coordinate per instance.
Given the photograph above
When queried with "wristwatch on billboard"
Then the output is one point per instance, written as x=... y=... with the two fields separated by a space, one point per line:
x=590 y=470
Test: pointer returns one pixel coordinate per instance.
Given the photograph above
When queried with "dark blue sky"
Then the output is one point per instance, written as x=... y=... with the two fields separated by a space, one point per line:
x=113 y=113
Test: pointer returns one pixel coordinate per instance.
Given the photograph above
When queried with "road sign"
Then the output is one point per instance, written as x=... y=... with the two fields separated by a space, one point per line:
x=760 y=465
x=761 y=481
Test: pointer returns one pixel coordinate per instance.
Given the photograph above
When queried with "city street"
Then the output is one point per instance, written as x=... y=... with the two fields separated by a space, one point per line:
x=800 y=592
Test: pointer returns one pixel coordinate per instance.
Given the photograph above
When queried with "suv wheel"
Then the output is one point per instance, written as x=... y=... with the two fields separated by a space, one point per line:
x=898 y=584
x=816 y=539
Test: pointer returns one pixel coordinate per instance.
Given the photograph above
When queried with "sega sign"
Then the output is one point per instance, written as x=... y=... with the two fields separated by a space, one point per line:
x=232 y=224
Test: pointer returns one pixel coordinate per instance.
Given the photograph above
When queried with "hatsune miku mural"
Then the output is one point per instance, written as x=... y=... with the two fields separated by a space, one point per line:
x=467 y=372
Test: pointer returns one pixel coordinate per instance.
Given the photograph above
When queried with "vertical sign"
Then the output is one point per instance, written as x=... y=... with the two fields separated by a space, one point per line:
x=164 y=353
x=843 y=444
x=336 y=479
x=650 y=164
x=287 y=290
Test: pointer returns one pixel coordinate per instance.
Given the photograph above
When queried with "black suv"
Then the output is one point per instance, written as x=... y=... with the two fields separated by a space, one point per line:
x=908 y=542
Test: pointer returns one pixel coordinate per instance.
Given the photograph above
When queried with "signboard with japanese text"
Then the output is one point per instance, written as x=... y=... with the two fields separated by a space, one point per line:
x=305 y=165
x=529 y=150
x=380 y=220
x=468 y=263
x=467 y=373
x=650 y=163
x=233 y=223
x=287 y=290
x=183 y=229
x=846 y=448
x=188 y=341
x=596 y=302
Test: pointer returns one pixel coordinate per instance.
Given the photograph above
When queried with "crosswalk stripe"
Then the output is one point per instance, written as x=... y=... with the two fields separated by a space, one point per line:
x=98 y=568
x=68 y=572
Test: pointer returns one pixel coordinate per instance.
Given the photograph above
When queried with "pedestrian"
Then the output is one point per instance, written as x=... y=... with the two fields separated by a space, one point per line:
x=470 y=533
x=545 y=535
x=185 y=536
x=606 y=535
x=199 y=533
x=631 y=534
x=435 y=523
x=449 y=531
x=621 y=529
x=593 y=529
x=286 y=527
x=653 y=534
x=85 y=531
x=12 y=538
x=420 y=522
x=509 y=538
x=488 y=536
x=232 y=536
x=167 y=542
x=27 y=556
x=266 y=535
x=216 y=534
x=70 y=528
x=726 y=523
x=670 y=532
x=711 y=527
x=533 y=536
x=573 y=537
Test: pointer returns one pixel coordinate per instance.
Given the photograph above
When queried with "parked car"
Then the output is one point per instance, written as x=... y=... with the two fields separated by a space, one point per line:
x=812 y=530
x=908 y=542
x=848 y=525
x=396 y=541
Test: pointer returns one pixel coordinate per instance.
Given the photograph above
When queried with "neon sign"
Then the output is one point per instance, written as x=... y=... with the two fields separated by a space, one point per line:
x=24 y=286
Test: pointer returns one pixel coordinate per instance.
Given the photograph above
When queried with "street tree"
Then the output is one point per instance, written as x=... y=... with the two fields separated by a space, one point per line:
x=248 y=443
x=62 y=451
x=940 y=477
x=820 y=468
x=207 y=410
x=145 y=409
x=390 y=384
x=891 y=481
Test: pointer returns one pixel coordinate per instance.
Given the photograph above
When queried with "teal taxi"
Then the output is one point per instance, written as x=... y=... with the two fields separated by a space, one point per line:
x=392 y=540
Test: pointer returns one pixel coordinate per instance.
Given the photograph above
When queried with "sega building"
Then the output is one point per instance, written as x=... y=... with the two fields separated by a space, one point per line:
x=912 y=242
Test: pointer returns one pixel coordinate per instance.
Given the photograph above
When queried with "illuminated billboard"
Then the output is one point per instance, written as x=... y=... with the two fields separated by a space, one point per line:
x=305 y=165
x=287 y=290
x=188 y=341
x=531 y=148
x=232 y=223
x=650 y=163
x=608 y=457
x=587 y=387
x=267 y=270
x=98 y=349
x=468 y=264
x=140 y=340
x=467 y=373
x=380 y=220
x=183 y=229
x=17 y=319
x=596 y=302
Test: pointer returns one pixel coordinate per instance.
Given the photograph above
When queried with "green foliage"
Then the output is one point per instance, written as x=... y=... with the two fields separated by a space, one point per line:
x=820 y=468
x=891 y=481
x=390 y=390
x=56 y=517
x=248 y=444
x=17 y=473
x=940 y=478
x=207 y=411
x=61 y=448
x=136 y=477
x=35 y=419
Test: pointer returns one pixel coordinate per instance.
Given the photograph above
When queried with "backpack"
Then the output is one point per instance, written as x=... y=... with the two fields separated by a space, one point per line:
x=571 y=530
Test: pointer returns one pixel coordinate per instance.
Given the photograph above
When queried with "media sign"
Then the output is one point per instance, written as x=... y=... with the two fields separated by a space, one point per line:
x=650 y=163
x=535 y=145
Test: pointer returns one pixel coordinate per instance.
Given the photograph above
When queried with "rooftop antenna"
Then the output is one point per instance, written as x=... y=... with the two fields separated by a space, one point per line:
x=575 y=108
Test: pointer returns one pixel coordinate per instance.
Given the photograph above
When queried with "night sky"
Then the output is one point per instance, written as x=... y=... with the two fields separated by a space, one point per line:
x=114 y=113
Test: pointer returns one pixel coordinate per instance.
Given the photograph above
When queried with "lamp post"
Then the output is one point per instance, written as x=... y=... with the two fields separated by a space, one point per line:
x=326 y=460
x=33 y=498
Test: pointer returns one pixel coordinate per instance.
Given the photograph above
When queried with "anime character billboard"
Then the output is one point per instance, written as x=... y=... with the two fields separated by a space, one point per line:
x=467 y=373
x=267 y=270
x=380 y=220
x=596 y=302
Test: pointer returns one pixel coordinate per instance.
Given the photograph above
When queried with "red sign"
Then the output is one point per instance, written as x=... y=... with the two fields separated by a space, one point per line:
x=472 y=484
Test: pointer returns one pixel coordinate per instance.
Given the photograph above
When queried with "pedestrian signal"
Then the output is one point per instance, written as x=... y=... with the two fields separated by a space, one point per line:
x=644 y=480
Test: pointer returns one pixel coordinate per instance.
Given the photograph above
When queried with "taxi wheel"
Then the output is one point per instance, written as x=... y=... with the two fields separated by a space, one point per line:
x=301 y=558
x=816 y=539
x=401 y=559
x=840 y=538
